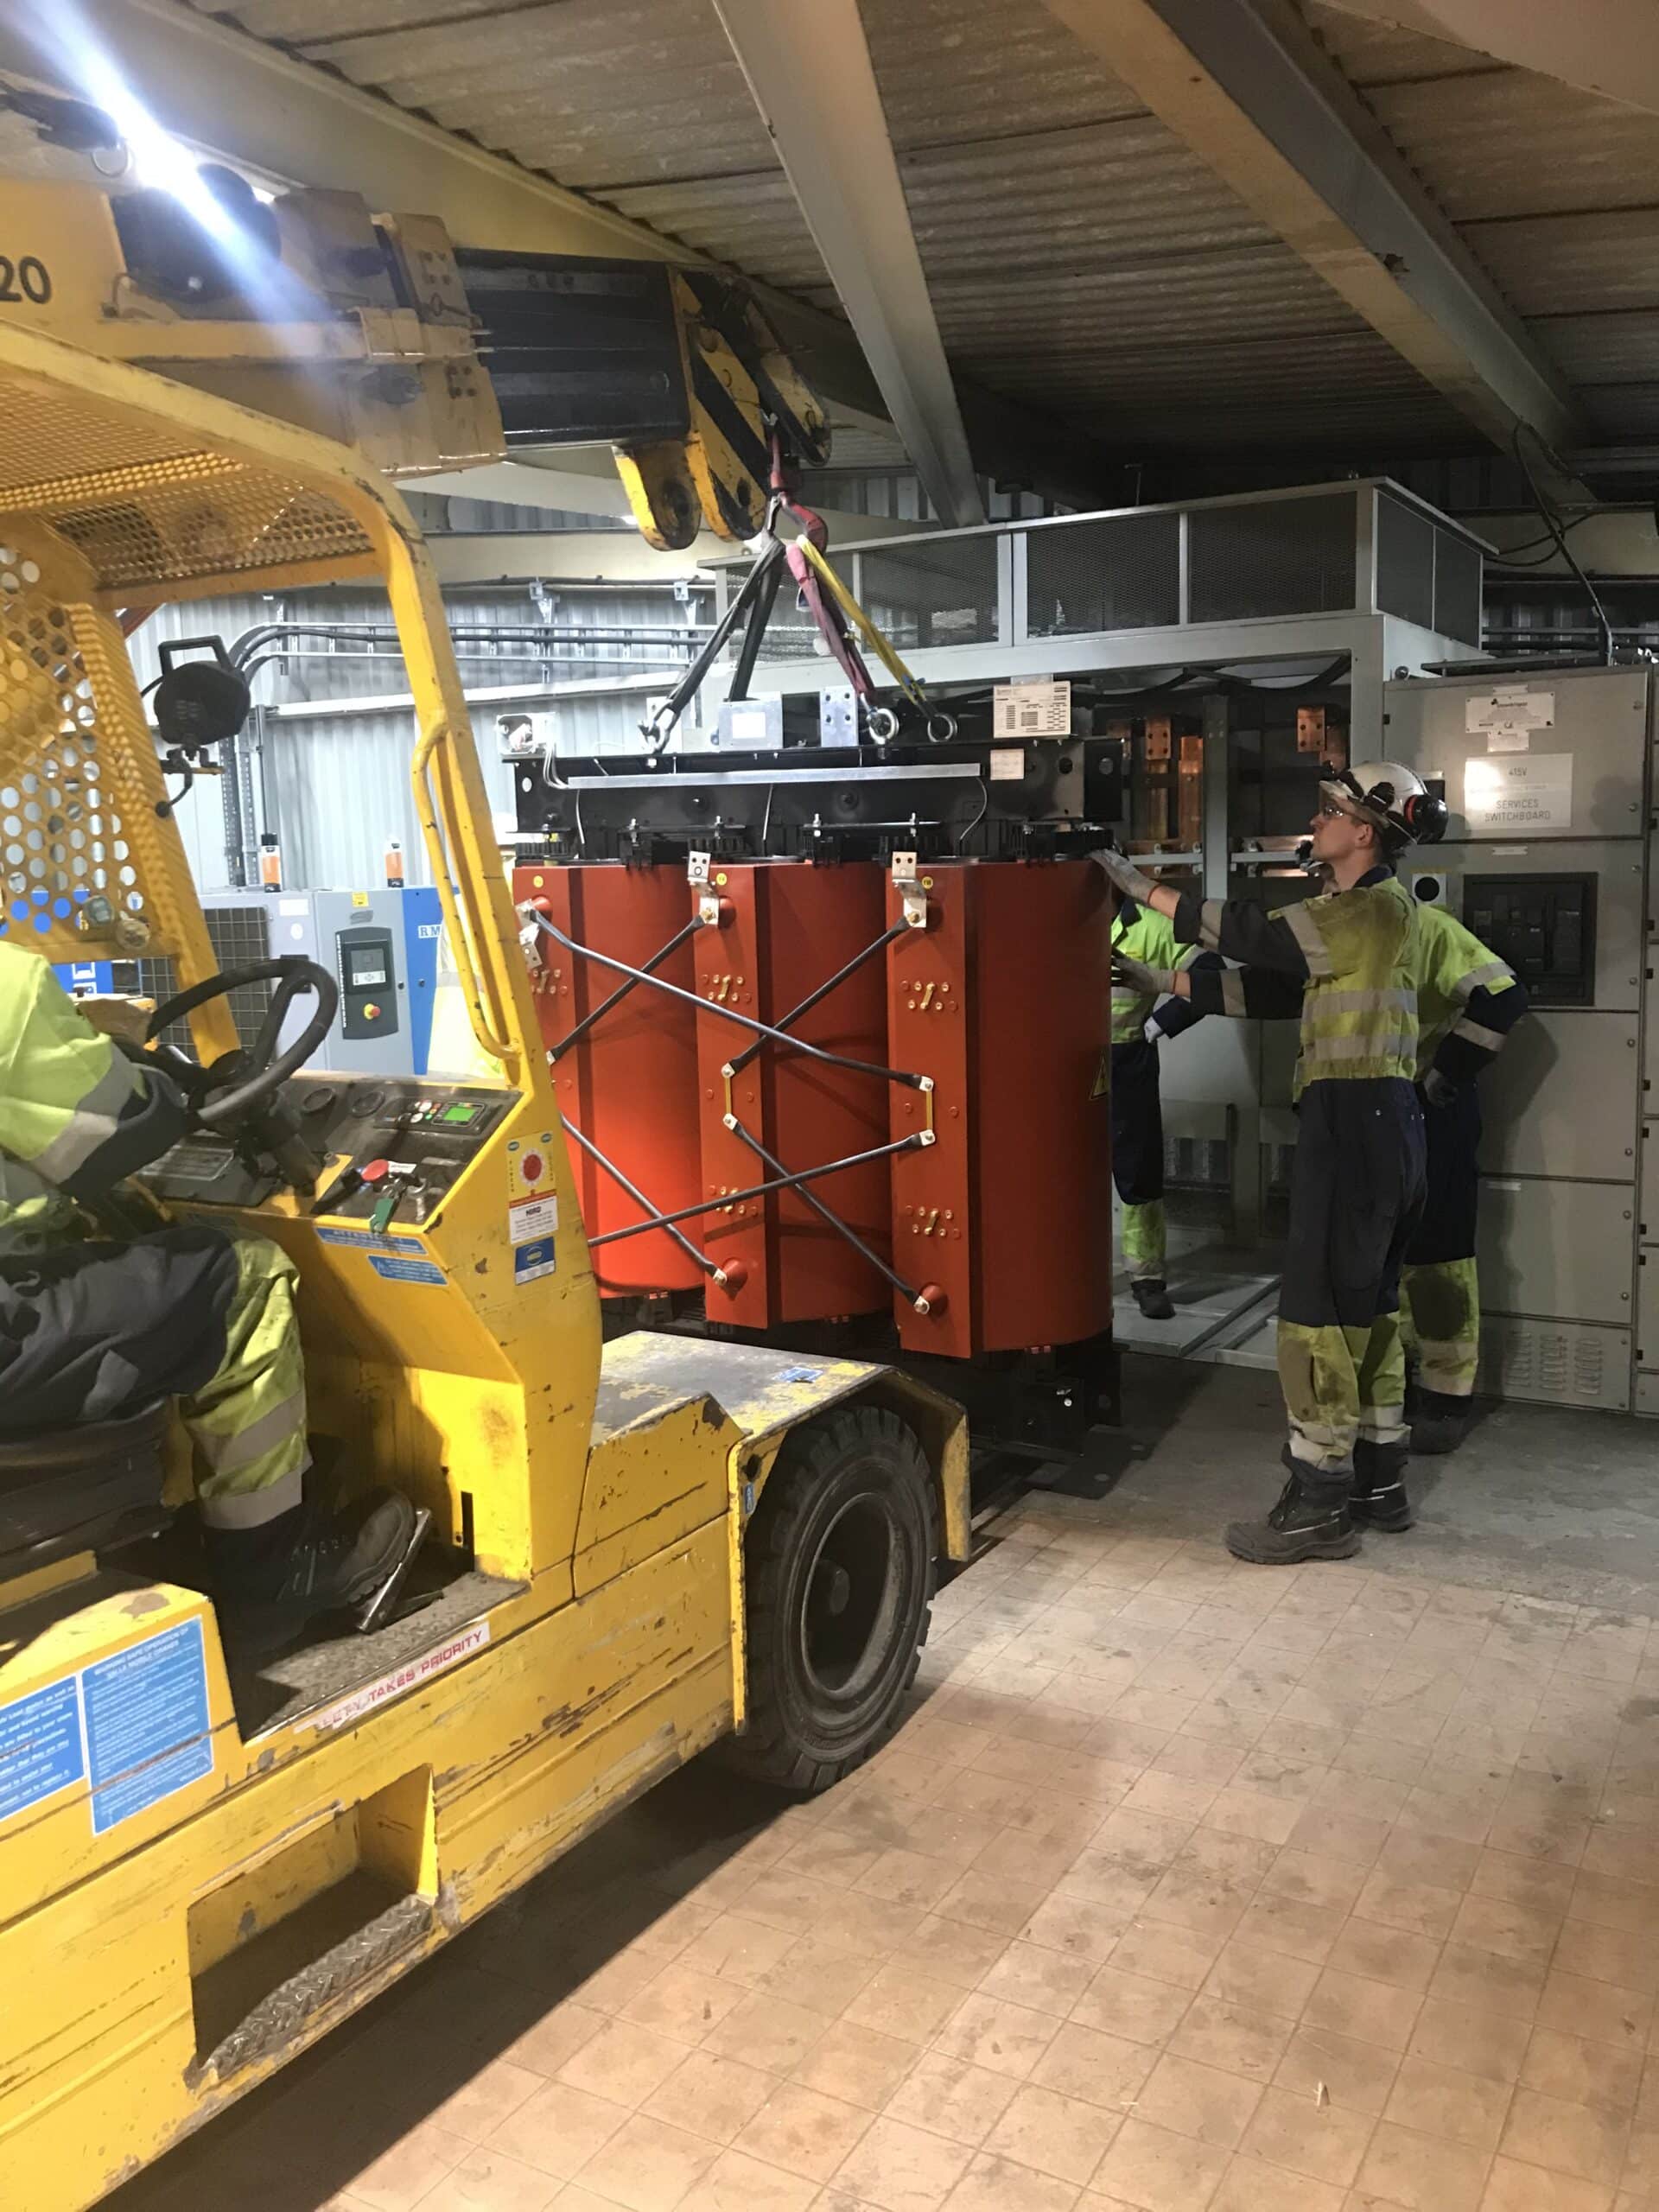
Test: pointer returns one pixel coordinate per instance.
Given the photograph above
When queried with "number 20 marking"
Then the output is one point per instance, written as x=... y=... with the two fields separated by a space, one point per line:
x=28 y=279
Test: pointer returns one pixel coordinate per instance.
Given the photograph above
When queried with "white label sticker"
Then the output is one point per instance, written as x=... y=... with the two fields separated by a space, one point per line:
x=529 y=1218
x=1509 y=740
x=459 y=1646
x=1007 y=763
x=1511 y=706
x=1032 y=710
x=1531 y=791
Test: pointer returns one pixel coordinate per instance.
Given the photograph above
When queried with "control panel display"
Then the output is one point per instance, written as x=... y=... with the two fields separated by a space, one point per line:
x=368 y=984
x=1544 y=926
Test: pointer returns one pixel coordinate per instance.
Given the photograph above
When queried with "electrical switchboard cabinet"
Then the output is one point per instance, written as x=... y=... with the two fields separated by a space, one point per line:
x=1548 y=777
x=381 y=947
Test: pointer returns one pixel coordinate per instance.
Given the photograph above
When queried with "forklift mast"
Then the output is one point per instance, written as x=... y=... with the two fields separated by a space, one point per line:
x=375 y=331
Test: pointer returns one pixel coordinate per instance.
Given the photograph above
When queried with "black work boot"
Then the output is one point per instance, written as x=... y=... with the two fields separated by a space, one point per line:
x=1439 y=1423
x=1153 y=1297
x=1311 y=1521
x=271 y=1583
x=1380 y=1499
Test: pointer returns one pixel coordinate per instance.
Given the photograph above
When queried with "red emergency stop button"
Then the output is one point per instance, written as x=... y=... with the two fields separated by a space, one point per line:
x=370 y=1013
x=532 y=1166
x=376 y=1171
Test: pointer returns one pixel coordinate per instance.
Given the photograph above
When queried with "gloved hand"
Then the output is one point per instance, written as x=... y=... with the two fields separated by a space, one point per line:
x=1438 y=1088
x=1134 y=976
x=1124 y=875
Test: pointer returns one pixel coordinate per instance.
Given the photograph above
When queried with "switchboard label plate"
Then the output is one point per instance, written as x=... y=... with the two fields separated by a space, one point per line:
x=1518 y=790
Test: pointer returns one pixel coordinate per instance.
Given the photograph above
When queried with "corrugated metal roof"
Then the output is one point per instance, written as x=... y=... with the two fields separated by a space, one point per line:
x=1376 y=53
x=1508 y=143
x=1551 y=189
x=1080 y=257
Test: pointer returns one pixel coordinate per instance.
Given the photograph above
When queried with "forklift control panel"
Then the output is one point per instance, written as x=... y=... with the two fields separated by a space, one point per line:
x=405 y=1141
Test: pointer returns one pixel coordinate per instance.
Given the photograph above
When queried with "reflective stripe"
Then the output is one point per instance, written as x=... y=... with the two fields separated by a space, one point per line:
x=1324 y=1051
x=253 y=1508
x=1490 y=1041
x=1383 y=1424
x=1209 y=915
x=1494 y=974
x=1320 y=1003
x=225 y=1454
x=1328 y=1459
x=1122 y=998
x=1232 y=991
x=1308 y=934
x=92 y=1124
x=1317 y=1432
x=1189 y=954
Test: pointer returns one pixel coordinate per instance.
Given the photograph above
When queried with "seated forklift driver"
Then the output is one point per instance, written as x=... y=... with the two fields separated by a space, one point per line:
x=91 y=1329
x=1347 y=960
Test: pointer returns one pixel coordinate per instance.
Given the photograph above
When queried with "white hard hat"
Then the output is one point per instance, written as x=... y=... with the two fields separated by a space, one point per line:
x=1393 y=798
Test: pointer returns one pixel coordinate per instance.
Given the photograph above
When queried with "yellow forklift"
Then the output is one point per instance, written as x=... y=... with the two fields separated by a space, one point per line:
x=633 y=1552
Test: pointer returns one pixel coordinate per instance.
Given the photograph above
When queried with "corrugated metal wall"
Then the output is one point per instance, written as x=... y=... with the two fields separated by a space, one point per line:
x=336 y=784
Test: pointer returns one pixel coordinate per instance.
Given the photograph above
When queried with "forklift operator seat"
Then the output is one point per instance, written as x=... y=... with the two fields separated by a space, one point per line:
x=74 y=1490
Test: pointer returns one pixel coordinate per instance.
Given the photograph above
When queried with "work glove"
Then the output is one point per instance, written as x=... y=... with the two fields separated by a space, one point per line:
x=1131 y=975
x=1125 y=878
x=1438 y=1088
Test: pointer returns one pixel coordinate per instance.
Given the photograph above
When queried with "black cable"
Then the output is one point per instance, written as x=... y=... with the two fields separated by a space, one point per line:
x=1507 y=560
x=1552 y=522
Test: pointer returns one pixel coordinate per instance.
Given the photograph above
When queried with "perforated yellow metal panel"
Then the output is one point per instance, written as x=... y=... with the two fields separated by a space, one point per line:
x=152 y=514
x=104 y=506
x=89 y=869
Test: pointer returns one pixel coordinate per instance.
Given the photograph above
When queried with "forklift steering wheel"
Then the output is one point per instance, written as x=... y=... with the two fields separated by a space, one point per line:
x=255 y=1075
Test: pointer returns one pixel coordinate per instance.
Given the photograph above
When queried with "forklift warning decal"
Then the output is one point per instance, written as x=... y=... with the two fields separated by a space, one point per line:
x=147 y=1728
x=137 y=1723
x=406 y=1270
x=531 y=1261
x=40 y=1746
x=459 y=1646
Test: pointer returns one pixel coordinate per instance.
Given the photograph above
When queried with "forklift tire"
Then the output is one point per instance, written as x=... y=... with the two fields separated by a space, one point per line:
x=839 y=1565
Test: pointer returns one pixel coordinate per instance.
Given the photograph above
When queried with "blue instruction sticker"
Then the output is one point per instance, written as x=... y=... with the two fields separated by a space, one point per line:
x=148 y=1731
x=533 y=1260
x=406 y=1270
x=145 y=1786
x=366 y=1240
x=40 y=1746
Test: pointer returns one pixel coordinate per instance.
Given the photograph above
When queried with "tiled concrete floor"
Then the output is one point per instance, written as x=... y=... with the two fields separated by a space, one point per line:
x=1185 y=1885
